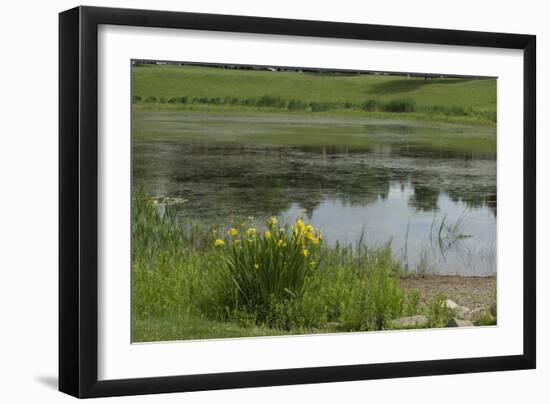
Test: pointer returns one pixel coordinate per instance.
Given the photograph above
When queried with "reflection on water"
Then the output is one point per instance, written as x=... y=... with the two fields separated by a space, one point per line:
x=414 y=234
x=436 y=206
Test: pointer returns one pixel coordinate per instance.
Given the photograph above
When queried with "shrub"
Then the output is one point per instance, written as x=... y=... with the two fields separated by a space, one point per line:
x=400 y=106
x=249 y=101
x=200 y=100
x=321 y=106
x=151 y=99
x=371 y=105
x=215 y=101
x=136 y=98
x=265 y=268
x=391 y=106
x=231 y=100
x=455 y=110
x=271 y=101
x=294 y=105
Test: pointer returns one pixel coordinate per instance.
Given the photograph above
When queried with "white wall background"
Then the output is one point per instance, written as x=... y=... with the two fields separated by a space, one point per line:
x=28 y=199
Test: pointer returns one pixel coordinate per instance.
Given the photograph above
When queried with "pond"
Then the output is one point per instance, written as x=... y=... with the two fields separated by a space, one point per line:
x=429 y=189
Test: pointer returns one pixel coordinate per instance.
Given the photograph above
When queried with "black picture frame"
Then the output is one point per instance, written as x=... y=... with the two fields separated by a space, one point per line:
x=78 y=201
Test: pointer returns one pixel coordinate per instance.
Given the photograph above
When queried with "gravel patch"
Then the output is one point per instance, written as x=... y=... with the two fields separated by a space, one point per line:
x=472 y=292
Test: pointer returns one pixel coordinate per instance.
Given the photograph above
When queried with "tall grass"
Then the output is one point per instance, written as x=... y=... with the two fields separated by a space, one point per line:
x=404 y=105
x=170 y=262
x=397 y=105
x=438 y=312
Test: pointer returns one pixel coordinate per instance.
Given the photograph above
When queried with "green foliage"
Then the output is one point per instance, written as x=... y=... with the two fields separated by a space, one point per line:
x=486 y=319
x=271 y=101
x=169 y=261
x=231 y=100
x=321 y=106
x=398 y=105
x=343 y=293
x=357 y=290
x=406 y=105
x=268 y=267
x=385 y=299
x=372 y=105
x=296 y=105
x=412 y=303
x=438 y=312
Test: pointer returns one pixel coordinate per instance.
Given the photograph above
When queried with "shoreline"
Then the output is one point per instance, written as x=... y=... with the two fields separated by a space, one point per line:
x=474 y=292
x=351 y=113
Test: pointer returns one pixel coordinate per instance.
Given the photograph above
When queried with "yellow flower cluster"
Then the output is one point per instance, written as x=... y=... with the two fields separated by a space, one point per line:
x=302 y=236
x=300 y=229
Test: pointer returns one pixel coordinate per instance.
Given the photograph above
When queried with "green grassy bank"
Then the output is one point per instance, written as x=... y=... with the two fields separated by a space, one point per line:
x=170 y=87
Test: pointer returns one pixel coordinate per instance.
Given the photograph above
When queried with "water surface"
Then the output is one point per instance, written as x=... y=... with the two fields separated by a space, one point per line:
x=428 y=189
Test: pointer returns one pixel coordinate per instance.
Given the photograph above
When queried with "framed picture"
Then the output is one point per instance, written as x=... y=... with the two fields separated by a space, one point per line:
x=251 y=201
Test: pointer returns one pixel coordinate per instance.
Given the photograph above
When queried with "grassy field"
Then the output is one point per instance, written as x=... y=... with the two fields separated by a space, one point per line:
x=169 y=87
